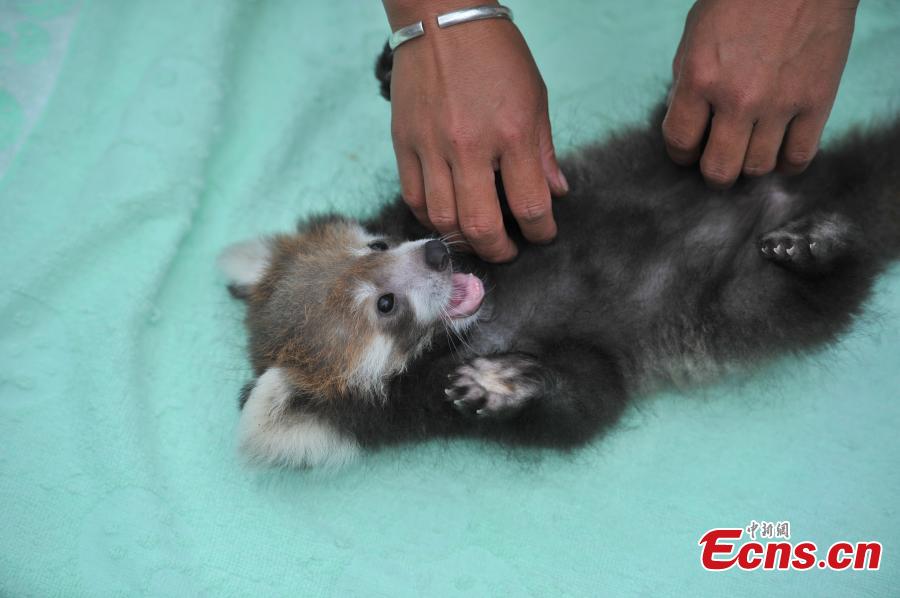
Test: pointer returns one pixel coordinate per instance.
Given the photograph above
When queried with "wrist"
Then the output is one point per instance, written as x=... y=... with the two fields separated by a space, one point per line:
x=401 y=13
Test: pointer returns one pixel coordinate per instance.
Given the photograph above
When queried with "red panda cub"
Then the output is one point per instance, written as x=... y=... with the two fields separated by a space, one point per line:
x=367 y=334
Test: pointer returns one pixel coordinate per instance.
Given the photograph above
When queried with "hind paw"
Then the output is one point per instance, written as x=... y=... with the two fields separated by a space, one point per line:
x=809 y=245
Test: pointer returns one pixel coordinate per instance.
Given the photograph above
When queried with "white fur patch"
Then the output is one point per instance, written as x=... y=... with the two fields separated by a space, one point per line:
x=423 y=306
x=461 y=325
x=778 y=197
x=270 y=434
x=245 y=263
x=426 y=296
x=364 y=292
x=376 y=364
x=778 y=201
x=410 y=246
x=363 y=238
x=832 y=227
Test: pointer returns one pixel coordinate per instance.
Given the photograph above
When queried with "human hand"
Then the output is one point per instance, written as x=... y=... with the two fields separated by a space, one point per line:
x=760 y=76
x=467 y=101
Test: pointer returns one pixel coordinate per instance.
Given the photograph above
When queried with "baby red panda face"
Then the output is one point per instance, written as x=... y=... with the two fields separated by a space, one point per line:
x=340 y=309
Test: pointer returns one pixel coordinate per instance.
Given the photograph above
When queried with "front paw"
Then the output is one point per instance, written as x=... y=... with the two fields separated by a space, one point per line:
x=496 y=387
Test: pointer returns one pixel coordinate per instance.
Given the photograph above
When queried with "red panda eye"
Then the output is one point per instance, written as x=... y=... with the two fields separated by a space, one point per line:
x=386 y=303
x=378 y=246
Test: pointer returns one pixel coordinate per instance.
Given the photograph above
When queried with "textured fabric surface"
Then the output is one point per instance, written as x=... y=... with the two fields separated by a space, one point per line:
x=141 y=137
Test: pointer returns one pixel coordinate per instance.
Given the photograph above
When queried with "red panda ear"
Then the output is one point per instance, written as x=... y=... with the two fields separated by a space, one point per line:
x=320 y=221
x=244 y=264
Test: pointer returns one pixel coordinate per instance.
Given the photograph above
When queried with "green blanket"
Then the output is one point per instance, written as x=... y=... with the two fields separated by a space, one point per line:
x=138 y=138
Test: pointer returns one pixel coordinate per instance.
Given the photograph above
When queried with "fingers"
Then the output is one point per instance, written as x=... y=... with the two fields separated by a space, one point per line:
x=685 y=125
x=478 y=208
x=762 y=153
x=723 y=156
x=440 y=205
x=801 y=142
x=412 y=184
x=528 y=196
x=559 y=186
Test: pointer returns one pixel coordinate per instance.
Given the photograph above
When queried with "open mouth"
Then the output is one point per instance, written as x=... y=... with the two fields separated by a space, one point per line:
x=466 y=296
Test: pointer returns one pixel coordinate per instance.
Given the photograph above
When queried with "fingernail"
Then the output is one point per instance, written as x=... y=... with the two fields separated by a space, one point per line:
x=561 y=180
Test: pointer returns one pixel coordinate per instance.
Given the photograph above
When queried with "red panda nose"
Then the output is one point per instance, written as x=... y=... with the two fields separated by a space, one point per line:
x=437 y=256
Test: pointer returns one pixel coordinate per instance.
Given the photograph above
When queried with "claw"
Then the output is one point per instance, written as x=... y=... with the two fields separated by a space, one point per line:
x=809 y=245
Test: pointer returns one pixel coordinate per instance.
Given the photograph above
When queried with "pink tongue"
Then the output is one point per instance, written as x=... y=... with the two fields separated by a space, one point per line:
x=468 y=292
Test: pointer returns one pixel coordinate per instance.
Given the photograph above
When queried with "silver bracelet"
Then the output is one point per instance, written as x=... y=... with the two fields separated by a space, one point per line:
x=404 y=34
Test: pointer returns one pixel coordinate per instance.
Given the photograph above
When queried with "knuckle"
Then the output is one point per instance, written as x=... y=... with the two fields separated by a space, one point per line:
x=799 y=105
x=483 y=231
x=697 y=76
x=718 y=174
x=512 y=133
x=530 y=211
x=790 y=106
x=400 y=131
x=442 y=220
x=796 y=163
x=760 y=162
x=799 y=157
x=461 y=138
x=759 y=167
x=794 y=101
x=677 y=137
x=744 y=101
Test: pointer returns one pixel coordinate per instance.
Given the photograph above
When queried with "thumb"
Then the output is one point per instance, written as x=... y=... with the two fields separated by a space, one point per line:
x=555 y=178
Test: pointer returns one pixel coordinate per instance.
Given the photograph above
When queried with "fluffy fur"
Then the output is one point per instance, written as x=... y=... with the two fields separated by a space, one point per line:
x=654 y=279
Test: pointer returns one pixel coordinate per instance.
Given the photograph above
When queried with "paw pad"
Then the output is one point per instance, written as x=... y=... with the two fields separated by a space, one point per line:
x=495 y=387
